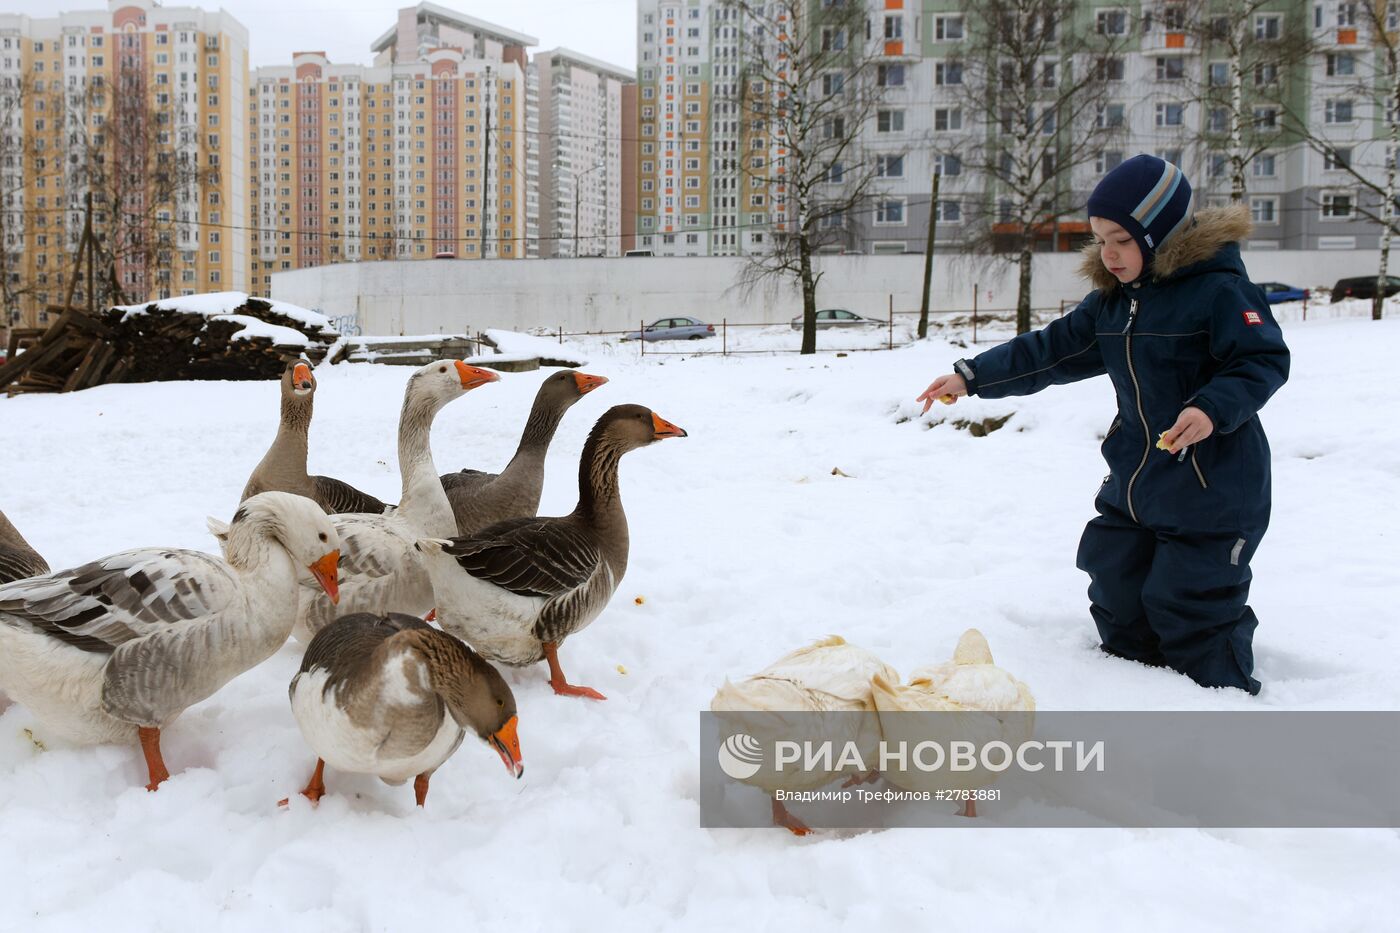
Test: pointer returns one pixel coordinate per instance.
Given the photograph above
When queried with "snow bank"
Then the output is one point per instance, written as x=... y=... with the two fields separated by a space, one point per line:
x=529 y=346
x=252 y=327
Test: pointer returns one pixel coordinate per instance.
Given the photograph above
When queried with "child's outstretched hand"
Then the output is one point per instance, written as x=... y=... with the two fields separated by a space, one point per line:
x=946 y=389
x=1192 y=427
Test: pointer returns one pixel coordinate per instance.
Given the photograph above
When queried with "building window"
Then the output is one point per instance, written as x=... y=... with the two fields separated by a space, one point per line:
x=1108 y=161
x=1263 y=210
x=889 y=166
x=947 y=118
x=947 y=28
x=1264 y=165
x=949 y=211
x=889 y=75
x=1266 y=118
x=947 y=163
x=1268 y=26
x=1171 y=68
x=889 y=121
x=1218 y=74
x=1112 y=22
x=1341 y=64
x=1339 y=110
x=1110 y=68
x=1218 y=120
x=1219 y=164
x=1336 y=160
x=947 y=73
x=1109 y=116
x=889 y=212
x=1337 y=205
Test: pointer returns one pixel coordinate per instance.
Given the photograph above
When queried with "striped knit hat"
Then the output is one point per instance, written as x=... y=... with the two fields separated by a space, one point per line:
x=1148 y=197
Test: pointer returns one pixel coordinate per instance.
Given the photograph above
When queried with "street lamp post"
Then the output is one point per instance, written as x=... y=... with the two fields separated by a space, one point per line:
x=577 y=178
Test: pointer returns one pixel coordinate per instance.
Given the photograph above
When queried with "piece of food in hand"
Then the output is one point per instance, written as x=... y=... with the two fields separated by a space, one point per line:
x=622 y=670
x=947 y=399
x=1162 y=443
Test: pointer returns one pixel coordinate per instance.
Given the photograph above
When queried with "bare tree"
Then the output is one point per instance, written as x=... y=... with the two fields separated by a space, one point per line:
x=1256 y=57
x=807 y=98
x=143 y=159
x=1035 y=92
x=1371 y=60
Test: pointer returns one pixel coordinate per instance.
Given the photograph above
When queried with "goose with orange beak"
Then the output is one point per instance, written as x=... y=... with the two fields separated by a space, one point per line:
x=516 y=590
x=380 y=570
x=482 y=499
x=115 y=650
x=283 y=467
x=390 y=695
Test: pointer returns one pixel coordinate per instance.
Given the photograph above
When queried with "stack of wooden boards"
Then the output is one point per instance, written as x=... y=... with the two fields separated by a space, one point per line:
x=160 y=343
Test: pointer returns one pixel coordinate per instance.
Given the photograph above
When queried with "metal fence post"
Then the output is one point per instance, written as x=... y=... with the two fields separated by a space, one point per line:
x=891 y=340
x=642 y=337
x=974 y=312
x=724 y=336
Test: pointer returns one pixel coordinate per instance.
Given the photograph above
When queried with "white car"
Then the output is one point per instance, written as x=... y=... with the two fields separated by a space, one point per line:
x=836 y=318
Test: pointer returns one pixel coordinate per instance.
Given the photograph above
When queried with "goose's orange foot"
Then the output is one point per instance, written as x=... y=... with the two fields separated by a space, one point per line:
x=969 y=808
x=781 y=817
x=420 y=788
x=155 y=764
x=556 y=677
x=315 y=788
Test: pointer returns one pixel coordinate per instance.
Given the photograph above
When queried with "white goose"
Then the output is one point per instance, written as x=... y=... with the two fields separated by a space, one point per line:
x=991 y=704
x=380 y=570
x=115 y=650
x=827 y=676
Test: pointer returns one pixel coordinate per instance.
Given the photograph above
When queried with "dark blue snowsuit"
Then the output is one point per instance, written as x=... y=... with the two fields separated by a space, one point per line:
x=1168 y=555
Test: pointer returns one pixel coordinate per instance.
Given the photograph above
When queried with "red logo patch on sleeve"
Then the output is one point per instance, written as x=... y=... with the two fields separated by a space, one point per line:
x=1253 y=317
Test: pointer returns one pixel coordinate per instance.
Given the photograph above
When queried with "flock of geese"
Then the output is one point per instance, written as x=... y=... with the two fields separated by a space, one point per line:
x=114 y=650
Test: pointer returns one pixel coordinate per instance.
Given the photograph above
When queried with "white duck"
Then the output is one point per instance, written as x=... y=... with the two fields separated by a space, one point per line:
x=392 y=696
x=993 y=706
x=828 y=676
x=380 y=570
x=115 y=650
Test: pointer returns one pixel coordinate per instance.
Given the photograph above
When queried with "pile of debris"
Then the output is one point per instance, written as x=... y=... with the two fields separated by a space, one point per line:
x=227 y=335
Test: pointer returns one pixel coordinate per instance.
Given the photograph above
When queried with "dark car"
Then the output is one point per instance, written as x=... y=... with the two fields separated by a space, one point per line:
x=673 y=328
x=1279 y=292
x=1363 y=287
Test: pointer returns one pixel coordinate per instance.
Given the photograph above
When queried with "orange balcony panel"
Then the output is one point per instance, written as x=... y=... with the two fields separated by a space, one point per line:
x=894 y=4
x=1346 y=36
x=1176 y=40
x=894 y=48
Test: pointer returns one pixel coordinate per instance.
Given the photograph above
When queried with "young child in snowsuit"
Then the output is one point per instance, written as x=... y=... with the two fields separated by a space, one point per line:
x=1194 y=352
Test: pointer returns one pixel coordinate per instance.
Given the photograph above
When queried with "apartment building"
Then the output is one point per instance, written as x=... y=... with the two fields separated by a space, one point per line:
x=423 y=154
x=1163 y=81
x=584 y=166
x=141 y=106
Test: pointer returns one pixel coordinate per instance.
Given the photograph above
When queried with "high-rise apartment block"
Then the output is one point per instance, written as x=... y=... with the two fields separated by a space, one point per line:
x=1162 y=93
x=143 y=107
x=583 y=163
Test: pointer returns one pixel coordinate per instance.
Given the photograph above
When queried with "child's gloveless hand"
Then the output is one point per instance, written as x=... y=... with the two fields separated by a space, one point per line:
x=1192 y=427
x=947 y=389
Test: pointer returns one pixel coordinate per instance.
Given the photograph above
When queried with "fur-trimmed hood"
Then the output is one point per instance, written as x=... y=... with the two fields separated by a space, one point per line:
x=1209 y=230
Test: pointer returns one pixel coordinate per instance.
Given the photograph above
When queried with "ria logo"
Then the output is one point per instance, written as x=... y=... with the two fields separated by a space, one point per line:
x=740 y=756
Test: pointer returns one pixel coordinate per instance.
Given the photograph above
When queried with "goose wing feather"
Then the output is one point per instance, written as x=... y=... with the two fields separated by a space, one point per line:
x=529 y=556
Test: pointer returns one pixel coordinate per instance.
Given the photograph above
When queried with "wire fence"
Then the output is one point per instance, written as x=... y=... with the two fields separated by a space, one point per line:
x=977 y=325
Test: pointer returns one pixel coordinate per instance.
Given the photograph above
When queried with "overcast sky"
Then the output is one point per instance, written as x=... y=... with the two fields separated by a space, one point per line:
x=605 y=29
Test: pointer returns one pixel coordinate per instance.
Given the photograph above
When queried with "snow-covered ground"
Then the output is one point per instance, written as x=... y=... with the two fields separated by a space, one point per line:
x=744 y=545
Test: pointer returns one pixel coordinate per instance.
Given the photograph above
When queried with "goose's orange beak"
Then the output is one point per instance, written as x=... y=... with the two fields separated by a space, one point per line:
x=507 y=745
x=324 y=570
x=301 y=376
x=660 y=428
x=587 y=383
x=473 y=376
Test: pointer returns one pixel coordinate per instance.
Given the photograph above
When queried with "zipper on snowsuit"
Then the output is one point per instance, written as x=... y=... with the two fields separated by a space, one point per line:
x=1137 y=392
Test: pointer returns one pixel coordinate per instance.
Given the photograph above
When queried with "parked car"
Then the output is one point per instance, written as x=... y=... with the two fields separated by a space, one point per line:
x=1363 y=287
x=834 y=317
x=1277 y=292
x=673 y=328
